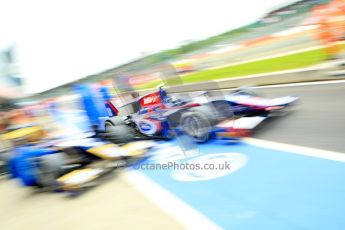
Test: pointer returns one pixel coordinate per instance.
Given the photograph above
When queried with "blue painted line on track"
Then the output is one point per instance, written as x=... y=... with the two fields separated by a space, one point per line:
x=274 y=190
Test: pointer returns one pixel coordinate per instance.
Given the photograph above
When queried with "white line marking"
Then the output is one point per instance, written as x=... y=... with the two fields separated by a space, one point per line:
x=191 y=218
x=301 y=84
x=272 y=56
x=281 y=85
x=174 y=206
x=300 y=70
x=266 y=57
x=295 y=149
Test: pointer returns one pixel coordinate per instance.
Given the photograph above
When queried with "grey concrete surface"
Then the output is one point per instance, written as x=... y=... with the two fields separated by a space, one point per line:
x=318 y=120
x=114 y=204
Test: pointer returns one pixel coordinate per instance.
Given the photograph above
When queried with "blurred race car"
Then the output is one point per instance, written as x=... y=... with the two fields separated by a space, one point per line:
x=66 y=154
x=245 y=101
x=73 y=164
x=202 y=116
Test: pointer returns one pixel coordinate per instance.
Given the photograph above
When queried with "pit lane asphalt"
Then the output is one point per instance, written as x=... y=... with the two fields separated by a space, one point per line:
x=318 y=119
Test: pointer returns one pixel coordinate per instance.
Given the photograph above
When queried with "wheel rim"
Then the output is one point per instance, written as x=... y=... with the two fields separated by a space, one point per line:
x=107 y=127
x=192 y=128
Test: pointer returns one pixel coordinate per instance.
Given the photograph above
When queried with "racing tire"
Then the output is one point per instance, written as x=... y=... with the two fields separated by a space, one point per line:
x=196 y=125
x=119 y=133
x=108 y=126
x=208 y=112
x=4 y=162
x=49 y=168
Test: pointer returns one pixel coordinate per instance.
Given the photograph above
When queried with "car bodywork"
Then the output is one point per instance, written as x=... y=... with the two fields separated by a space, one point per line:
x=201 y=115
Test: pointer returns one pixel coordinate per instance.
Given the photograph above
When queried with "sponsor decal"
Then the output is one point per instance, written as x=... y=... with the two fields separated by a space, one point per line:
x=151 y=99
x=147 y=127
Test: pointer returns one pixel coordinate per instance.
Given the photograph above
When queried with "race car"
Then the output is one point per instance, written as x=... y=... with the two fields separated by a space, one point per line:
x=202 y=116
x=62 y=165
x=67 y=154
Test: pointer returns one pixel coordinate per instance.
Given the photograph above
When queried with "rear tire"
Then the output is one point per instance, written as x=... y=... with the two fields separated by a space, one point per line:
x=119 y=133
x=207 y=111
x=196 y=125
x=49 y=169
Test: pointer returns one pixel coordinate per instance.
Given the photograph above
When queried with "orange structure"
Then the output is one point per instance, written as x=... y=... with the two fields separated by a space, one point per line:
x=331 y=21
